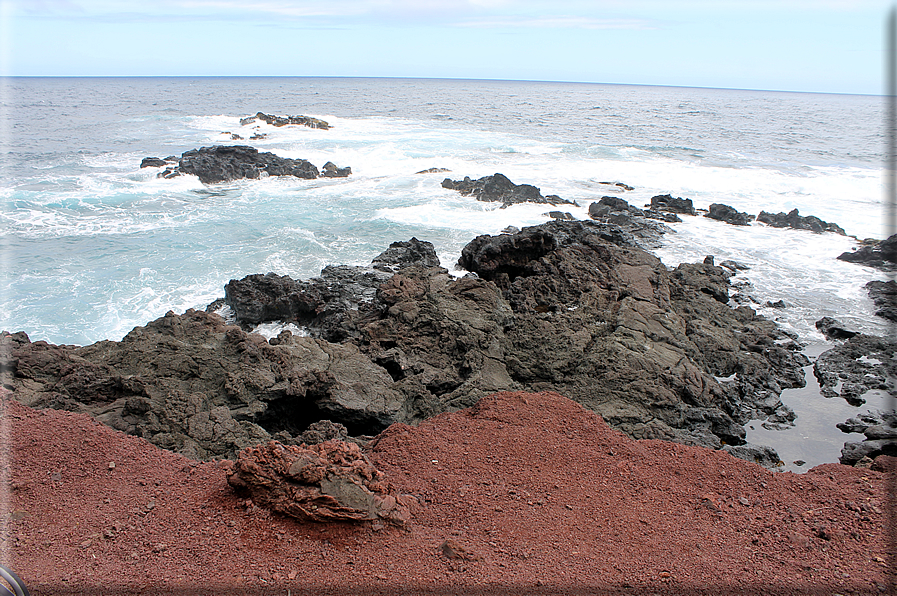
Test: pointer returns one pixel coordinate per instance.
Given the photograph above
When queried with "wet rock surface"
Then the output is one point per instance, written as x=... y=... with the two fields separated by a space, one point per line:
x=672 y=205
x=498 y=188
x=332 y=481
x=793 y=219
x=729 y=215
x=884 y=295
x=286 y=120
x=224 y=163
x=860 y=364
x=574 y=307
x=881 y=255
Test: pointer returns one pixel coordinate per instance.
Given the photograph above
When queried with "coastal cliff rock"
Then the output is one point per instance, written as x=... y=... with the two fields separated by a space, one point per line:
x=793 y=219
x=498 y=188
x=574 y=307
x=881 y=255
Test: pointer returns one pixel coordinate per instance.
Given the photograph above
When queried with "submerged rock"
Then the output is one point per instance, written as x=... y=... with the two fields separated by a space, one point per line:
x=793 y=219
x=498 y=188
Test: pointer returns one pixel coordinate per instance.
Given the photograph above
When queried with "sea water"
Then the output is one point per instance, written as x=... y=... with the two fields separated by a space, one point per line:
x=92 y=245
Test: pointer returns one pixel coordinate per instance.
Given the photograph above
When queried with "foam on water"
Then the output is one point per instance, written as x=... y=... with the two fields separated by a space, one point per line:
x=92 y=245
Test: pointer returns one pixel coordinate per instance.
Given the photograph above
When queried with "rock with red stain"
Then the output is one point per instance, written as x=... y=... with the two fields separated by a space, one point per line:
x=331 y=481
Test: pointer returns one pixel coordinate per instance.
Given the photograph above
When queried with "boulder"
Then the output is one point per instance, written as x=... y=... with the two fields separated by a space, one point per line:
x=331 y=170
x=793 y=219
x=729 y=215
x=153 y=162
x=332 y=481
x=668 y=203
x=833 y=329
x=498 y=188
x=400 y=255
x=881 y=255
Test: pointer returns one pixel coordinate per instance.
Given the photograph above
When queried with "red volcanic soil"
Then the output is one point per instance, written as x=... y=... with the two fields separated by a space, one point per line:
x=522 y=494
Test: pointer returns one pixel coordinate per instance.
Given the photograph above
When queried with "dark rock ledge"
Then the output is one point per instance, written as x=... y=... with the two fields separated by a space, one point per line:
x=498 y=188
x=286 y=120
x=224 y=163
x=574 y=307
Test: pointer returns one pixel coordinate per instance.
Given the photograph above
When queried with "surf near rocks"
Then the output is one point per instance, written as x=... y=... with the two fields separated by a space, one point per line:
x=225 y=163
x=574 y=307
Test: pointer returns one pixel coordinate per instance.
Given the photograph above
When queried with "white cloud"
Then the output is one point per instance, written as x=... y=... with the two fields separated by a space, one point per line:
x=559 y=22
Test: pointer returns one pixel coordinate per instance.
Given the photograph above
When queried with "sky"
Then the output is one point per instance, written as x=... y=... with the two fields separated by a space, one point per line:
x=829 y=46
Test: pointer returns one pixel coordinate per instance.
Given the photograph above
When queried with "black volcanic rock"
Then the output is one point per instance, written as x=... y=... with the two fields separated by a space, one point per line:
x=793 y=219
x=668 y=203
x=331 y=170
x=881 y=255
x=498 y=188
x=860 y=364
x=833 y=329
x=729 y=215
x=575 y=307
x=286 y=120
x=884 y=296
x=223 y=163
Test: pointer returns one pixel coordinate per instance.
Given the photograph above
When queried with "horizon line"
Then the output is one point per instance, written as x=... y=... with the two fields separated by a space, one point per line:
x=422 y=78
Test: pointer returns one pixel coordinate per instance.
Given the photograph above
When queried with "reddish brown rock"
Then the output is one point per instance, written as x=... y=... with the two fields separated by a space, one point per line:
x=327 y=482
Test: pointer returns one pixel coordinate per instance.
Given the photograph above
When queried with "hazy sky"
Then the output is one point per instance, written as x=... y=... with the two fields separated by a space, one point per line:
x=796 y=45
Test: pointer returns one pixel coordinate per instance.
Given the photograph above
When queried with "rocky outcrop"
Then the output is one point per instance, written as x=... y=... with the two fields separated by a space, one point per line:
x=860 y=364
x=331 y=170
x=224 y=163
x=669 y=204
x=156 y=162
x=575 y=307
x=329 y=482
x=881 y=255
x=498 y=188
x=286 y=120
x=880 y=431
x=884 y=296
x=191 y=384
x=793 y=219
x=729 y=215
x=613 y=209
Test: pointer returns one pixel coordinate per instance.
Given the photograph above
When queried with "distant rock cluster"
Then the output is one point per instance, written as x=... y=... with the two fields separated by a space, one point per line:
x=225 y=163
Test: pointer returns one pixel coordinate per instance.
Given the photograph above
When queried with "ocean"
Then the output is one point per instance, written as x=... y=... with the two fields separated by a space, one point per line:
x=92 y=245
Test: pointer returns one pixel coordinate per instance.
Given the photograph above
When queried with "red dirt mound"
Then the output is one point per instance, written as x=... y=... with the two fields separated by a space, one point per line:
x=524 y=493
